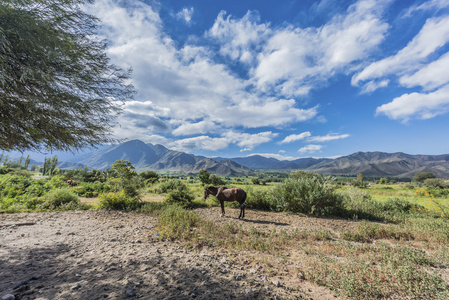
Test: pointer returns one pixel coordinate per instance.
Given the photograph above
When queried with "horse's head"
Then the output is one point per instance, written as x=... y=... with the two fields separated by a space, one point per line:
x=211 y=190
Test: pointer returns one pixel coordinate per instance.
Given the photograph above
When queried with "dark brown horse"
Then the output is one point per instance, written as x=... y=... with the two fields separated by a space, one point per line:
x=224 y=194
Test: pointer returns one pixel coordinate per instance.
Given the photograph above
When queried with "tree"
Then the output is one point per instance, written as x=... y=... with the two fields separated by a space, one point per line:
x=420 y=177
x=204 y=176
x=53 y=164
x=216 y=180
x=58 y=89
x=124 y=171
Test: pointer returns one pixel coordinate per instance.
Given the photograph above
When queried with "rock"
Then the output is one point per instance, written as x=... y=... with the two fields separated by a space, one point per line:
x=76 y=287
x=276 y=283
x=8 y=297
x=301 y=276
x=129 y=293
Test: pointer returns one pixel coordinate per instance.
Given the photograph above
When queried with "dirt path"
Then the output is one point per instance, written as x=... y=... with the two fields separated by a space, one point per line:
x=116 y=255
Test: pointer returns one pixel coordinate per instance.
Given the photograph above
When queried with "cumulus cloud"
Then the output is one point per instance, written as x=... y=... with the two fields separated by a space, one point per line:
x=240 y=39
x=294 y=60
x=430 y=76
x=310 y=149
x=433 y=35
x=427 y=5
x=295 y=137
x=185 y=83
x=249 y=141
x=328 y=137
x=195 y=128
x=199 y=142
x=185 y=14
x=417 y=105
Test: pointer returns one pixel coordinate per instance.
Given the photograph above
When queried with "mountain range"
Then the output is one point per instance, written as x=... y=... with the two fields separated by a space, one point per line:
x=158 y=158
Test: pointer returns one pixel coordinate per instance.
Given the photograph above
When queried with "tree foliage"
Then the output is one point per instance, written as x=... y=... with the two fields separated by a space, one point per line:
x=420 y=177
x=58 y=89
x=204 y=176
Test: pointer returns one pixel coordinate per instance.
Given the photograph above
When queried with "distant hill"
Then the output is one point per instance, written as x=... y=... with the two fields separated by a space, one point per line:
x=381 y=164
x=372 y=164
x=159 y=158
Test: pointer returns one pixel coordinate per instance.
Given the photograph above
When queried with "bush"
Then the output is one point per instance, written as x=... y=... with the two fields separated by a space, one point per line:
x=259 y=199
x=307 y=193
x=360 y=205
x=118 y=201
x=61 y=199
x=177 y=193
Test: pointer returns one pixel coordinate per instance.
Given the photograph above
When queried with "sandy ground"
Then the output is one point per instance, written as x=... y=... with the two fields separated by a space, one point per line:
x=102 y=254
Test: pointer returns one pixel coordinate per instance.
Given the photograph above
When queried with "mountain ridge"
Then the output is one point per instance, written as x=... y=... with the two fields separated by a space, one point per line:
x=159 y=158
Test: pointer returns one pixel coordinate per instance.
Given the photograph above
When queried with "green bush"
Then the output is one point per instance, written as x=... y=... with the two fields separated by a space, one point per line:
x=61 y=199
x=177 y=193
x=259 y=199
x=360 y=205
x=118 y=201
x=307 y=193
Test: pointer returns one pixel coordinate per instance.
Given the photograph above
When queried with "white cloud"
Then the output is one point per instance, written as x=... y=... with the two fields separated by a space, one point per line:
x=427 y=5
x=417 y=105
x=239 y=39
x=195 y=128
x=295 y=137
x=249 y=141
x=199 y=142
x=185 y=84
x=294 y=60
x=310 y=149
x=328 y=137
x=185 y=14
x=274 y=155
x=433 y=35
x=430 y=76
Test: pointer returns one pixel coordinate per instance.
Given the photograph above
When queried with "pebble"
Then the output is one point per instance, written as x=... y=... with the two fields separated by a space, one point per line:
x=129 y=293
x=8 y=297
x=276 y=283
x=76 y=287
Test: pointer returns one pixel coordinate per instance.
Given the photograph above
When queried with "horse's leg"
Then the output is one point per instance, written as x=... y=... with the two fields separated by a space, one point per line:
x=222 y=208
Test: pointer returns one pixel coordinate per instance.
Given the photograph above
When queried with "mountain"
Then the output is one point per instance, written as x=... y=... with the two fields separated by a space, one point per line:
x=371 y=164
x=158 y=158
x=381 y=164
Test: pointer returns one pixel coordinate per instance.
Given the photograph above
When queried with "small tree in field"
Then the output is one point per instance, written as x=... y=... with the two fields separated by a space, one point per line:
x=216 y=180
x=124 y=171
x=420 y=177
x=204 y=177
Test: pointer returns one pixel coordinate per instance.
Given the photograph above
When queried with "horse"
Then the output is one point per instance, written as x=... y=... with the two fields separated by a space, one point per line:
x=224 y=194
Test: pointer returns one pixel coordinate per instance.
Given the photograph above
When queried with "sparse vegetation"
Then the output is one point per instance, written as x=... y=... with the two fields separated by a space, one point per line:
x=404 y=256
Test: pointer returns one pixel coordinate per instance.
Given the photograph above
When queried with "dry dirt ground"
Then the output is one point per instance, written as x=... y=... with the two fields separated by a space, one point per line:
x=101 y=254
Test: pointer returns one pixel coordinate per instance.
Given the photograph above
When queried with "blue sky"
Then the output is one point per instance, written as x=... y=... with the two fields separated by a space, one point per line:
x=286 y=79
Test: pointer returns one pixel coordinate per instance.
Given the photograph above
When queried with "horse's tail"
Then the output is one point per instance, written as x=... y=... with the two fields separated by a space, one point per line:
x=242 y=204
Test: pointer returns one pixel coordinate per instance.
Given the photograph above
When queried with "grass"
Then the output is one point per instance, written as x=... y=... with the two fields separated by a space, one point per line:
x=372 y=261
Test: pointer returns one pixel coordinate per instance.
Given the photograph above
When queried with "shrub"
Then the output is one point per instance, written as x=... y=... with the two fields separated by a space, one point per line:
x=118 y=201
x=307 y=192
x=259 y=199
x=61 y=199
x=177 y=193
